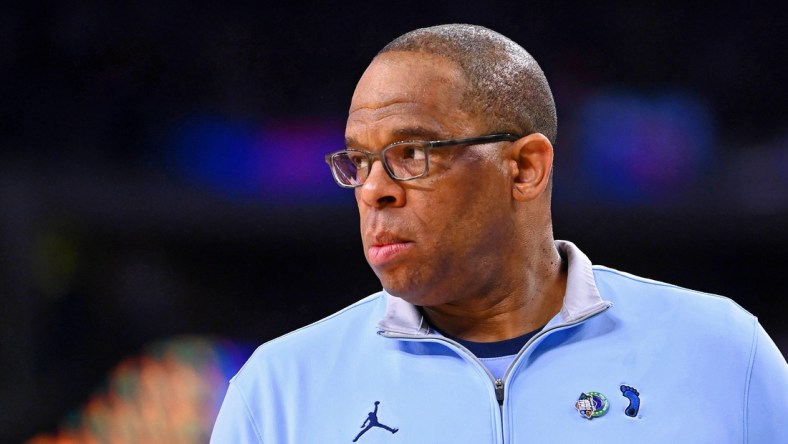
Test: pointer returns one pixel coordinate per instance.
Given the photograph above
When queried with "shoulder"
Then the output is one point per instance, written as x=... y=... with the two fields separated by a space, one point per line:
x=652 y=300
x=683 y=327
x=615 y=283
x=321 y=338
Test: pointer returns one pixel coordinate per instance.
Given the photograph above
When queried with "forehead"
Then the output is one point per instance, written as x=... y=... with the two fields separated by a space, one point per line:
x=405 y=94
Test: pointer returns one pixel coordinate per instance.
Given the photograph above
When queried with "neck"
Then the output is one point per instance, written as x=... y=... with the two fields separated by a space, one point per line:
x=525 y=302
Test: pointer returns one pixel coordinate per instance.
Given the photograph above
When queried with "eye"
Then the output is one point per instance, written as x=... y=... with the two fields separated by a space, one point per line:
x=413 y=152
x=359 y=160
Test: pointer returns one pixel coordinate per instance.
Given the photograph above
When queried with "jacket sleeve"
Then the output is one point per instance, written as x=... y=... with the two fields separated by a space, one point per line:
x=234 y=425
x=767 y=392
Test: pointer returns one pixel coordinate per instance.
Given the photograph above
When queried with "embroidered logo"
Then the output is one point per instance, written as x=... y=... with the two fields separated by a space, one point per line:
x=592 y=405
x=632 y=394
x=372 y=421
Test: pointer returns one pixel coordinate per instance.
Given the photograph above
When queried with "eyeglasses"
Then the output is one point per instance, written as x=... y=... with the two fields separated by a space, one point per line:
x=405 y=160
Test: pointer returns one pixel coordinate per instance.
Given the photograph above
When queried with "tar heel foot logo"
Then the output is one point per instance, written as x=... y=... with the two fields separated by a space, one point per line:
x=372 y=421
x=592 y=405
x=632 y=394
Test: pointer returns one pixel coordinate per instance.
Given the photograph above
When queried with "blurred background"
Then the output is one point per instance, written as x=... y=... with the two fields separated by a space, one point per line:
x=162 y=177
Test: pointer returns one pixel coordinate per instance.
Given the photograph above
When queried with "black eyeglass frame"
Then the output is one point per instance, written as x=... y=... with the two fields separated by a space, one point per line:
x=426 y=145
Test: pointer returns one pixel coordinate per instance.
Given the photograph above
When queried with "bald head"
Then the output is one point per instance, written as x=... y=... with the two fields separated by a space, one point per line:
x=507 y=88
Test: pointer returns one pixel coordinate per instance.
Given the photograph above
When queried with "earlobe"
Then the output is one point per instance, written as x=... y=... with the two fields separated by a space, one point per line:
x=533 y=157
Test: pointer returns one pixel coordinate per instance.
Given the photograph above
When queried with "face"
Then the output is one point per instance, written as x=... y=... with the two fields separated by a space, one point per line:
x=440 y=238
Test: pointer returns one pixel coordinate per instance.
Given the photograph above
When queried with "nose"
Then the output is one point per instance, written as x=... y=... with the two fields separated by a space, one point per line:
x=380 y=190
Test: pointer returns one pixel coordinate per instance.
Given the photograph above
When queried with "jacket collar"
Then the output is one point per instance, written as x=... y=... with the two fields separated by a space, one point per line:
x=582 y=298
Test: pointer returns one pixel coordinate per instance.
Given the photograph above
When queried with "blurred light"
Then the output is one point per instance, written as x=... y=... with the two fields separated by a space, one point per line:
x=639 y=149
x=291 y=161
x=216 y=153
x=278 y=163
x=169 y=394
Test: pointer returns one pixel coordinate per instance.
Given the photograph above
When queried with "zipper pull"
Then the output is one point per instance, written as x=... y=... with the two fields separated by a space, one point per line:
x=499 y=391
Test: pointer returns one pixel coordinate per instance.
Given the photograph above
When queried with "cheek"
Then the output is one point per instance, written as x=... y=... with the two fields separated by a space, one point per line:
x=480 y=213
x=454 y=218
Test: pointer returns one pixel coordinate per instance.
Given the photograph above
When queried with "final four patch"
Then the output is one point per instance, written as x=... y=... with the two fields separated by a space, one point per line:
x=592 y=404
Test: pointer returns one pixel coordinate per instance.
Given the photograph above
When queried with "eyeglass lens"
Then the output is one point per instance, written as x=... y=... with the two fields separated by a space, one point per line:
x=405 y=161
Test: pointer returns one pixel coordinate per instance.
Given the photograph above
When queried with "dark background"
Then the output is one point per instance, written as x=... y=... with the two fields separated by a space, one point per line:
x=161 y=165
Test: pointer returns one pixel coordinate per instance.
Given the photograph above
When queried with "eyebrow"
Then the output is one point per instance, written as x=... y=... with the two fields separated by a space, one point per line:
x=407 y=133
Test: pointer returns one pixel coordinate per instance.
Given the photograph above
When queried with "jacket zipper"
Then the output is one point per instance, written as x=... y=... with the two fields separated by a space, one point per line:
x=499 y=391
x=543 y=333
x=499 y=384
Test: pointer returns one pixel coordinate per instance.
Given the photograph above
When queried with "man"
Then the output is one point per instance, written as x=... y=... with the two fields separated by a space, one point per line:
x=488 y=330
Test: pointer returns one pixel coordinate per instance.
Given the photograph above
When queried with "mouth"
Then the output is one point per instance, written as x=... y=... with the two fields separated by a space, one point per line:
x=385 y=249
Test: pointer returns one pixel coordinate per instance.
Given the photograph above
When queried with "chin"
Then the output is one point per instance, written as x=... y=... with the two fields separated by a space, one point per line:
x=406 y=286
x=400 y=291
x=413 y=297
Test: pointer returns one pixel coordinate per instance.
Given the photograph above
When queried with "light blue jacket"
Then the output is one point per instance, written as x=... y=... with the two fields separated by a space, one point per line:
x=674 y=365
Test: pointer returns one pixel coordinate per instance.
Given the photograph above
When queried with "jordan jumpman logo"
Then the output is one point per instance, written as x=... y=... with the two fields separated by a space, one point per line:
x=372 y=421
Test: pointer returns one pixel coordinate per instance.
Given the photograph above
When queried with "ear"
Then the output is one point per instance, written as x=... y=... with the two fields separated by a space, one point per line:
x=531 y=163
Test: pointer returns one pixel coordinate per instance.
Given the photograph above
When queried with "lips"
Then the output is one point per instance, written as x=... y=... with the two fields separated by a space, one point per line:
x=386 y=248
